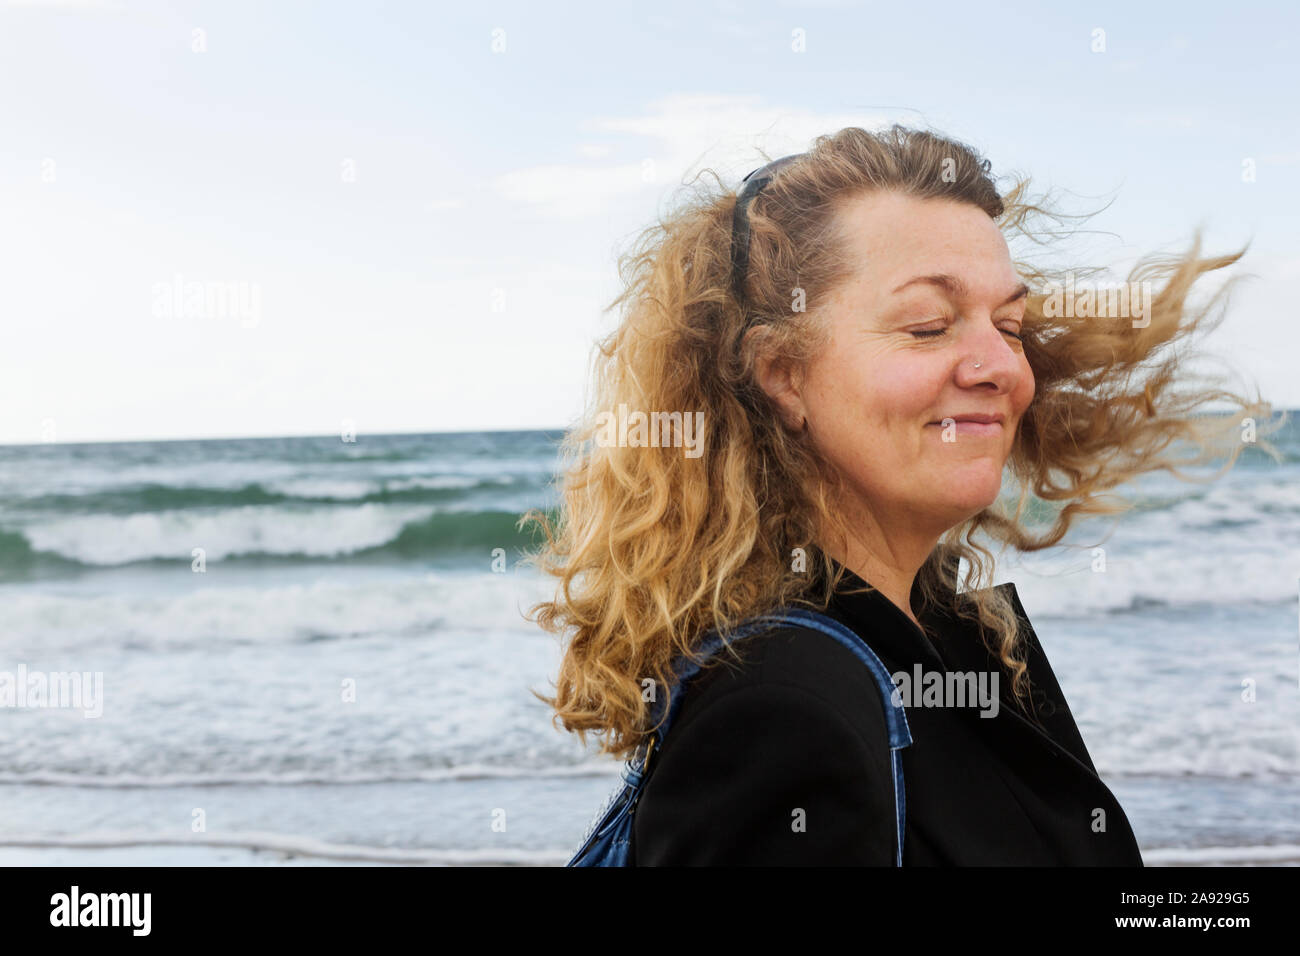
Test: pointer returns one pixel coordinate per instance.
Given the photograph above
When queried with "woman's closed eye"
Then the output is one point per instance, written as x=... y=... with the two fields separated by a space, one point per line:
x=935 y=333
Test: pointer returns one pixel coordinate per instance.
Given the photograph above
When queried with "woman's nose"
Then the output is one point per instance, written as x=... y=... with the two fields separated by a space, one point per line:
x=997 y=354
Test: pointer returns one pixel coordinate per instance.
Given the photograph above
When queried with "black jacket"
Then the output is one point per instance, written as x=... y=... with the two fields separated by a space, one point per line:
x=800 y=726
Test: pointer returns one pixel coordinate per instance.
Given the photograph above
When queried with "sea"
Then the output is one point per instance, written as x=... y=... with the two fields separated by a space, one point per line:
x=314 y=651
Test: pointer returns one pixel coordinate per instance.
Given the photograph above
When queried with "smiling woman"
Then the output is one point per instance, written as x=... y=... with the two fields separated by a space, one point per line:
x=869 y=360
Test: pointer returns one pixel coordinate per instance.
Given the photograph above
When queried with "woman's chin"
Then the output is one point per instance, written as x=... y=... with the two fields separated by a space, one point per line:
x=970 y=492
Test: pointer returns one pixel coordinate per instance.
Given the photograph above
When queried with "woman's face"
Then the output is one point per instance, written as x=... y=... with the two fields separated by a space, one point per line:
x=935 y=293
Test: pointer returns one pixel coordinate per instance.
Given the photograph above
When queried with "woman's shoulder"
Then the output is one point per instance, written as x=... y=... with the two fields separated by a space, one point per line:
x=789 y=663
x=781 y=757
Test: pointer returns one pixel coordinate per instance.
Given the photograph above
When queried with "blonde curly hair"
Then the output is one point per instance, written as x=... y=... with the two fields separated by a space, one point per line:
x=652 y=547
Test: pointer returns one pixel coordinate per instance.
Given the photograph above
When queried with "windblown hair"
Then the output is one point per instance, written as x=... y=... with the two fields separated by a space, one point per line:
x=653 y=547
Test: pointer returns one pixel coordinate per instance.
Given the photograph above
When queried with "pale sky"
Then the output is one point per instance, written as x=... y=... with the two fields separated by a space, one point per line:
x=421 y=204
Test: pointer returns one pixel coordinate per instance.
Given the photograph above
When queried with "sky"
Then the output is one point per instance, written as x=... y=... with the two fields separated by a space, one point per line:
x=406 y=217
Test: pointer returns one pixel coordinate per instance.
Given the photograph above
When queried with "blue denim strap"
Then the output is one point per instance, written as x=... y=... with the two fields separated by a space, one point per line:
x=900 y=735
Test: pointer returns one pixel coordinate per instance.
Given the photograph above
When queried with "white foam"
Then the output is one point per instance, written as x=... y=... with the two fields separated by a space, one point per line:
x=1236 y=540
x=1184 y=856
x=333 y=604
x=319 y=487
x=478 y=771
x=253 y=840
x=253 y=529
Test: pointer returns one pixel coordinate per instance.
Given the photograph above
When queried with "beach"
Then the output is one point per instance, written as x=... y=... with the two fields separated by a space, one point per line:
x=314 y=652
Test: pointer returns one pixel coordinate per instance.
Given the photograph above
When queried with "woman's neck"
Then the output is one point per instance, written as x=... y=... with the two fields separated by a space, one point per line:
x=888 y=577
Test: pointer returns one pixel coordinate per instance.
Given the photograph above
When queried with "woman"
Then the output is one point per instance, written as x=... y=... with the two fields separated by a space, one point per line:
x=869 y=360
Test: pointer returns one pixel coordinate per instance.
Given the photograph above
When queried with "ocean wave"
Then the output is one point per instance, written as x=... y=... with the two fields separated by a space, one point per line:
x=594 y=769
x=1201 y=855
x=1140 y=577
x=119 y=781
x=254 y=532
x=308 y=613
x=137 y=498
x=295 y=845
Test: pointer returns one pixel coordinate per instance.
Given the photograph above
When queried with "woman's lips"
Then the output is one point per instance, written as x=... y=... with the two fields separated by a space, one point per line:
x=971 y=429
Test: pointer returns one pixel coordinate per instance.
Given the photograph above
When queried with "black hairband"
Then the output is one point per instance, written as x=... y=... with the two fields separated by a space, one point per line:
x=753 y=185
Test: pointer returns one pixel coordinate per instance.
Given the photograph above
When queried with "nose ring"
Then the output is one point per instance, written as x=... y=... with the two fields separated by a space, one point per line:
x=977 y=364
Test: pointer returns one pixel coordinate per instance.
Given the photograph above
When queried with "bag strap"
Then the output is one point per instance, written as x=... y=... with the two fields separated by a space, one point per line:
x=685 y=668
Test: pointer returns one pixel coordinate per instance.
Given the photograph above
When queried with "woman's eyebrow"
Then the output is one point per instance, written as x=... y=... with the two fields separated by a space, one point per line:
x=958 y=289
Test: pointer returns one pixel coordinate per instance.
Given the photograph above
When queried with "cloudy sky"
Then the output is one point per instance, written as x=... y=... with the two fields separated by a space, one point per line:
x=406 y=215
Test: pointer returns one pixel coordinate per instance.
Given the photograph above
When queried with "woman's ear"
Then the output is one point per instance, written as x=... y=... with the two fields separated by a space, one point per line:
x=779 y=379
